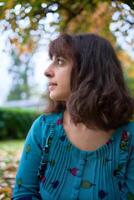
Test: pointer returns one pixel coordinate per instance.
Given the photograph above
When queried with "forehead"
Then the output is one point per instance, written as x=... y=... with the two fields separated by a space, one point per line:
x=60 y=48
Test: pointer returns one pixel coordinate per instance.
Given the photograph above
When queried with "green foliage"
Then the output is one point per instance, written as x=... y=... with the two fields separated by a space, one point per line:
x=32 y=13
x=129 y=77
x=130 y=82
x=15 y=123
x=129 y=3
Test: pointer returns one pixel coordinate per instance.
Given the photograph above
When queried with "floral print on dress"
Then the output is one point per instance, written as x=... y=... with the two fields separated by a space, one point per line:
x=43 y=179
x=59 y=122
x=109 y=141
x=102 y=194
x=73 y=171
x=117 y=171
x=19 y=182
x=45 y=161
x=48 y=142
x=122 y=186
x=52 y=181
x=68 y=147
x=27 y=150
x=124 y=140
x=85 y=184
x=62 y=138
x=52 y=163
x=55 y=184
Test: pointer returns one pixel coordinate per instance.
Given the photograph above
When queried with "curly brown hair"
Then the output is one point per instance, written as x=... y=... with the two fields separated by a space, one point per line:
x=99 y=95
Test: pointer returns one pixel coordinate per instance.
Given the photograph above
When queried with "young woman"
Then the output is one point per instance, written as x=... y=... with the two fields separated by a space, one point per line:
x=84 y=148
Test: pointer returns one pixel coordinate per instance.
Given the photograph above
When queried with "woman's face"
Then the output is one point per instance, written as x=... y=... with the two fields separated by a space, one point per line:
x=59 y=76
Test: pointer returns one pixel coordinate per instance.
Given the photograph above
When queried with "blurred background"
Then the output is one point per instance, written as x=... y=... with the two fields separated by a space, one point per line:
x=26 y=28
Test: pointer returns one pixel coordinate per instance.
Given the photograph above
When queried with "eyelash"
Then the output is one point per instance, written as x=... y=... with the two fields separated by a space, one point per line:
x=59 y=61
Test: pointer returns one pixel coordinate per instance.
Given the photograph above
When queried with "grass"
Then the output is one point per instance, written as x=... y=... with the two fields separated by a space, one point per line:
x=10 y=148
x=11 y=145
x=10 y=151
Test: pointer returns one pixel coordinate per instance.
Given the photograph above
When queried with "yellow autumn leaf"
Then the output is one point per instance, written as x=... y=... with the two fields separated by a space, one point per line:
x=6 y=190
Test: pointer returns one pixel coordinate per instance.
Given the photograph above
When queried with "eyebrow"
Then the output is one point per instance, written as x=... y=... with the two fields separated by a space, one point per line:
x=55 y=57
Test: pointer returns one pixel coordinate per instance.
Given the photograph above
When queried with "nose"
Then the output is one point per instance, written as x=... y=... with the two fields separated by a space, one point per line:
x=49 y=72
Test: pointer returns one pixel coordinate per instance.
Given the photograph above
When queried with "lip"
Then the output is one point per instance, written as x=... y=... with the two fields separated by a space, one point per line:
x=52 y=86
x=51 y=83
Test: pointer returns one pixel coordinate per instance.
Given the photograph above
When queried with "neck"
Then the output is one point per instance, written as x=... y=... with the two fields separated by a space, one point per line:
x=81 y=126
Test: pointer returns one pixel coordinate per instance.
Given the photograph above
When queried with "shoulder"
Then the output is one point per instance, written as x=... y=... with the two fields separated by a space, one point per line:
x=41 y=127
x=129 y=127
x=47 y=119
x=44 y=121
x=51 y=118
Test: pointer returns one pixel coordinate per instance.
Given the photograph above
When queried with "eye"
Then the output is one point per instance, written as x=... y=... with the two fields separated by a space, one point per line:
x=60 y=61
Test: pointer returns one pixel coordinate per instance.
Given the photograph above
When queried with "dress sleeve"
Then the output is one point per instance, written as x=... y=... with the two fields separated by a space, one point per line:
x=26 y=182
x=130 y=166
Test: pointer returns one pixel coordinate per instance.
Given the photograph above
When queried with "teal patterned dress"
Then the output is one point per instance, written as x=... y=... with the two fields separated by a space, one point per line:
x=52 y=168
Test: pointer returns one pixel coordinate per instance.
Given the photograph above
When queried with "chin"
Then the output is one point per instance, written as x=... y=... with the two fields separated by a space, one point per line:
x=57 y=97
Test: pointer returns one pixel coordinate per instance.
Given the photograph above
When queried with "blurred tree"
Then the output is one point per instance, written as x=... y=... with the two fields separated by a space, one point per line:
x=128 y=66
x=28 y=18
x=25 y=17
x=130 y=77
x=22 y=73
x=95 y=18
x=123 y=23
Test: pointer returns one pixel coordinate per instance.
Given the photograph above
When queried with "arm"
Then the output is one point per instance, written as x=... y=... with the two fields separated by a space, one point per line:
x=26 y=183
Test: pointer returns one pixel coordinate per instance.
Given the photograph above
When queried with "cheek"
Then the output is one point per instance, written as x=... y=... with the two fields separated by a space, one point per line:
x=65 y=79
x=65 y=83
x=62 y=91
x=65 y=87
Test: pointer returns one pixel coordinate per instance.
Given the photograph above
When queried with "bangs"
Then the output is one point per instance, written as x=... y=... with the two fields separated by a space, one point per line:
x=61 y=47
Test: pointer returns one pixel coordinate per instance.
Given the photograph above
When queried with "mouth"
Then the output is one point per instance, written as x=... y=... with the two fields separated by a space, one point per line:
x=52 y=86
